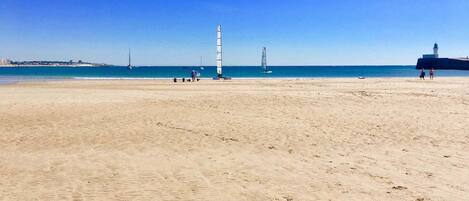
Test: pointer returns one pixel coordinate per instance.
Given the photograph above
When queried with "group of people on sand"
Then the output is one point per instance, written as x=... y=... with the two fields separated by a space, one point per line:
x=431 y=73
x=194 y=77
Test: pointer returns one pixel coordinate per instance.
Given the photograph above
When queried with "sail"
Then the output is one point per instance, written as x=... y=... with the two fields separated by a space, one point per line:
x=219 y=52
x=264 y=59
x=130 y=59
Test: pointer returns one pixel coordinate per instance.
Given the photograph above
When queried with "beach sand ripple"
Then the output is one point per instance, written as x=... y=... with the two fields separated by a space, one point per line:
x=287 y=140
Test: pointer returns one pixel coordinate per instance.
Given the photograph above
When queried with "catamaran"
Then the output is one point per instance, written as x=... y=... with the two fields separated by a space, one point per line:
x=264 y=62
x=130 y=62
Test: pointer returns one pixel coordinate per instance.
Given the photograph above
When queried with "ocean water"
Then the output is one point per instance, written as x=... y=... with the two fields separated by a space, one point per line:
x=19 y=73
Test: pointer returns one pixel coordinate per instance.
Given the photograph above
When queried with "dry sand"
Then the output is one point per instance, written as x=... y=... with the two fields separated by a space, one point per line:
x=322 y=139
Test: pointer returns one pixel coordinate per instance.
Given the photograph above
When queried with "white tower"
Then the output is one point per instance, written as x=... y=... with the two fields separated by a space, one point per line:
x=435 y=50
x=219 y=53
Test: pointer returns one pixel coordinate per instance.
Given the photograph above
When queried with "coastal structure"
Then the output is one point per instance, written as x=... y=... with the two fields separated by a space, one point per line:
x=5 y=62
x=434 y=61
x=219 y=53
x=70 y=63
x=435 y=53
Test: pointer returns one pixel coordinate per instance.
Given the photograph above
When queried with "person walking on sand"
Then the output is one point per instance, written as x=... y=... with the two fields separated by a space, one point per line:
x=422 y=74
x=432 y=73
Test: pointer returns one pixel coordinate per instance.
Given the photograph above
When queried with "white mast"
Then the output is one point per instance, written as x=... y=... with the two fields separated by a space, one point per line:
x=219 y=52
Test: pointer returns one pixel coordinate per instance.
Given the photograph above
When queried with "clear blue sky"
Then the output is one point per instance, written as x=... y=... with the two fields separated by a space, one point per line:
x=178 y=32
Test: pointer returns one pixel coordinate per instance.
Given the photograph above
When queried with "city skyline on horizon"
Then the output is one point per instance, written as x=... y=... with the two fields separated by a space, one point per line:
x=178 y=33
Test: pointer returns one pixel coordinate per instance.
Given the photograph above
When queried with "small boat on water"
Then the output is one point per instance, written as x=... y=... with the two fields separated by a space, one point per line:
x=200 y=64
x=130 y=67
x=264 y=62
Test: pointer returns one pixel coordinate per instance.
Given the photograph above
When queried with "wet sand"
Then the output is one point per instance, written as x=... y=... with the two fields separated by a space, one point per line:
x=321 y=139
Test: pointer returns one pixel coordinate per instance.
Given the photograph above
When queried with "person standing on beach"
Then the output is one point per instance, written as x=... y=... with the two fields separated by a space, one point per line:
x=422 y=74
x=193 y=75
x=432 y=73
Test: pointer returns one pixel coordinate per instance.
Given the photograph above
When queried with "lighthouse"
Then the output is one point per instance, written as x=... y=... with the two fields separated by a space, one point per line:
x=435 y=50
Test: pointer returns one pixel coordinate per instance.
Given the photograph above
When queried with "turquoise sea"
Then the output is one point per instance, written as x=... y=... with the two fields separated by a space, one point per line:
x=10 y=74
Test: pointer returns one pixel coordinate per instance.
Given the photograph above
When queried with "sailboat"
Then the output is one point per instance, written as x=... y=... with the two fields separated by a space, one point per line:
x=200 y=65
x=264 y=62
x=219 y=53
x=220 y=75
x=130 y=62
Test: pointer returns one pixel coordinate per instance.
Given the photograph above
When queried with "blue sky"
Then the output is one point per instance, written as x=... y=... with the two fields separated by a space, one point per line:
x=178 y=32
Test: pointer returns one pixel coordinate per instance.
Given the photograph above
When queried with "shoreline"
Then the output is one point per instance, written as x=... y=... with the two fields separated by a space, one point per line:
x=169 y=81
x=45 y=78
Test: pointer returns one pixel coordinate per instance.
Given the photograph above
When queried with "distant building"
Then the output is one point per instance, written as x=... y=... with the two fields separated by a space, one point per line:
x=434 y=55
x=5 y=62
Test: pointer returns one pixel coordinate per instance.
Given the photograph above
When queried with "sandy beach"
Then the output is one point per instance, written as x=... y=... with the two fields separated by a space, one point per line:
x=280 y=140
